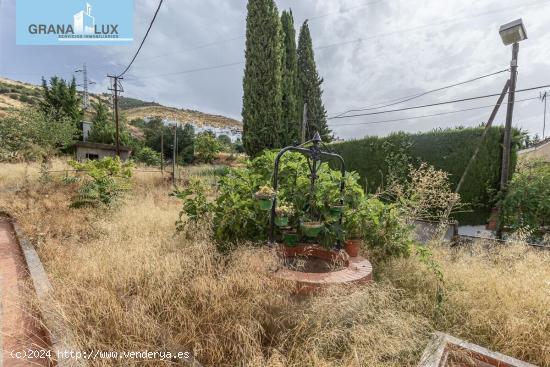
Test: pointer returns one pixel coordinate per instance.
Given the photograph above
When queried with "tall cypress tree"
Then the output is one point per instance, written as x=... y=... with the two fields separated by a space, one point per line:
x=262 y=107
x=291 y=120
x=310 y=87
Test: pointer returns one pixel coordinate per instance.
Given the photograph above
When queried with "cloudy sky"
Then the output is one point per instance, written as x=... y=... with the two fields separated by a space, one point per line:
x=368 y=52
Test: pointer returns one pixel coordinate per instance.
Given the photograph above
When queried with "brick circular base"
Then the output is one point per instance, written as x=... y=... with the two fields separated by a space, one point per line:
x=357 y=269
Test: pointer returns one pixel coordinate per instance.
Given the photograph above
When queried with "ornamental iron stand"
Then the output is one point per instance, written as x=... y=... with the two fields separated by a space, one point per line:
x=314 y=154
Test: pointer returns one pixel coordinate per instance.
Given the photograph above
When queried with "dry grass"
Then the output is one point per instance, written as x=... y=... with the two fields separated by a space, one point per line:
x=125 y=281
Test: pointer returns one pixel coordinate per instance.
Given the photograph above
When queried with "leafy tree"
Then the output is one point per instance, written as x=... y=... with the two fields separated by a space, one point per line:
x=207 y=146
x=147 y=156
x=103 y=128
x=527 y=202
x=291 y=120
x=60 y=99
x=310 y=87
x=224 y=139
x=32 y=134
x=155 y=128
x=262 y=82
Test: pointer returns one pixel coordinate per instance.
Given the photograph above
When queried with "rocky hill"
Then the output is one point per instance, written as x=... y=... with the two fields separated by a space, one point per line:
x=15 y=94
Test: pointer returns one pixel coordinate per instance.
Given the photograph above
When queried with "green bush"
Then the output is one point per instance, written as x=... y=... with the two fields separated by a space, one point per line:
x=207 y=147
x=380 y=160
x=148 y=156
x=32 y=135
x=527 y=202
x=107 y=179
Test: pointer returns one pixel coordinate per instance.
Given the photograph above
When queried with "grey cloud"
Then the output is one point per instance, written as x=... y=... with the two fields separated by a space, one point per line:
x=445 y=42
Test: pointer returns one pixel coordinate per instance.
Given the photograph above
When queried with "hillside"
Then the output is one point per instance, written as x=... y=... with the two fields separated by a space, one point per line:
x=15 y=94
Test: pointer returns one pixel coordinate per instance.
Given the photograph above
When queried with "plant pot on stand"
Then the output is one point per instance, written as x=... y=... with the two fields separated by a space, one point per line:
x=290 y=237
x=312 y=229
x=353 y=246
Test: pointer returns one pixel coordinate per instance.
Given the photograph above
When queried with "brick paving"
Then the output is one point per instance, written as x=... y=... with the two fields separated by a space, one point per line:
x=20 y=331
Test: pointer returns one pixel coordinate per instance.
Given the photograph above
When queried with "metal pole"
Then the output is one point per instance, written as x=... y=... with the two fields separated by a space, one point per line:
x=174 y=155
x=487 y=127
x=304 y=123
x=86 y=96
x=162 y=150
x=507 y=144
x=544 y=118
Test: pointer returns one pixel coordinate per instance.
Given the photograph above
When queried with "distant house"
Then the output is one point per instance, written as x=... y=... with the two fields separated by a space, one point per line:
x=86 y=150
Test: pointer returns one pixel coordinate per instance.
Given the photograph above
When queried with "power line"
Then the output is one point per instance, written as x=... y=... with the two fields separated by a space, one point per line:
x=143 y=40
x=430 y=115
x=205 y=45
x=435 y=104
x=415 y=96
x=190 y=70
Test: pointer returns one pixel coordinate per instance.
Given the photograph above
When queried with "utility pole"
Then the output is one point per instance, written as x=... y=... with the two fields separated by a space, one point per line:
x=116 y=88
x=304 y=123
x=162 y=151
x=507 y=146
x=84 y=85
x=544 y=98
x=174 y=153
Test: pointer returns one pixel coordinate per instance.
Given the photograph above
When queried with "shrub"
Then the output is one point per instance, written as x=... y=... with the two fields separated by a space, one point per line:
x=107 y=179
x=196 y=207
x=31 y=134
x=527 y=202
x=207 y=147
x=381 y=161
x=148 y=156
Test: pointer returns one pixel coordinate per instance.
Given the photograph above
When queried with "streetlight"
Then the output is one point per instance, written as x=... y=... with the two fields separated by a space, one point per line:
x=511 y=34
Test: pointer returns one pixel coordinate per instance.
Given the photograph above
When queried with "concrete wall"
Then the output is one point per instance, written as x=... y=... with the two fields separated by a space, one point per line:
x=81 y=153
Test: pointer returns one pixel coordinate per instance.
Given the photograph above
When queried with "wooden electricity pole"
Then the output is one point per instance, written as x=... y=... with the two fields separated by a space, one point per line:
x=304 y=123
x=162 y=151
x=507 y=146
x=116 y=88
x=174 y=153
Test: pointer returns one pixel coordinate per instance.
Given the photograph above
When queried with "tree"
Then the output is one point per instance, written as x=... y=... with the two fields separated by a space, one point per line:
x=262 y=108
x=155 y=128
x=310 y=87
x=103 y=128
x=60 y=99
x=291 y=116
x=32 y=134
x=207 y=146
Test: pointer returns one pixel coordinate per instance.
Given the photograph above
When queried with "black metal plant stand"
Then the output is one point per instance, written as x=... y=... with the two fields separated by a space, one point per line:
x=314 y=154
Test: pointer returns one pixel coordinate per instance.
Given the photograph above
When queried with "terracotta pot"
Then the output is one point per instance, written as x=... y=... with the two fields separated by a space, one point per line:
x=352 y=247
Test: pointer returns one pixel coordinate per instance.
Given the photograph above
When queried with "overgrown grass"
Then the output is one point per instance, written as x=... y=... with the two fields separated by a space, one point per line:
x=124 y=280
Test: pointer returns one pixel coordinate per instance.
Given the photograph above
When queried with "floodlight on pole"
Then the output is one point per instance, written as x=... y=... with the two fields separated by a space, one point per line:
x=513 y=32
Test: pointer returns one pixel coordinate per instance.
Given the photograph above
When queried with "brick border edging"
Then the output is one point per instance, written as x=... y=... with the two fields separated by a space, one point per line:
x=61 y=337
x=439 y=346
x=356 y=270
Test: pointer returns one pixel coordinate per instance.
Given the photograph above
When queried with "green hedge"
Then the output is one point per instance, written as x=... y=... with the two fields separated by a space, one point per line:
x=377 y=158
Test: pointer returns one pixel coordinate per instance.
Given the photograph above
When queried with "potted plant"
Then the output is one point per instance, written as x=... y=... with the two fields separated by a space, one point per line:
x=265 y=197
x=353 y=225
x=336 y=209
x=283 y=212
x=311 y=228
x=290 y=237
